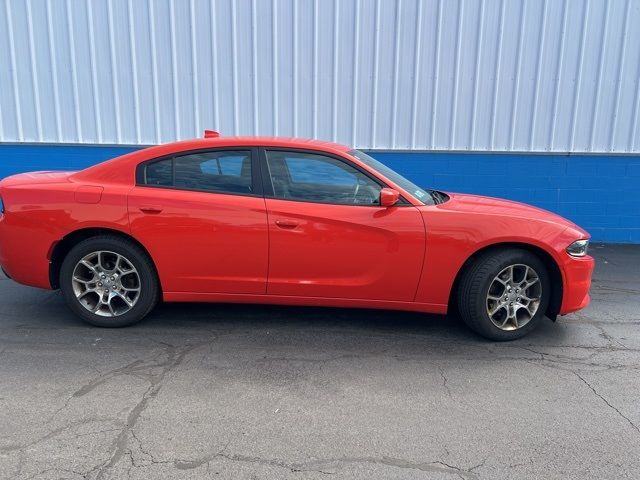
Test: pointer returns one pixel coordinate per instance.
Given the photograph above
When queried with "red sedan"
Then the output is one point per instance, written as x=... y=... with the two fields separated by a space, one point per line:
x=284 y=221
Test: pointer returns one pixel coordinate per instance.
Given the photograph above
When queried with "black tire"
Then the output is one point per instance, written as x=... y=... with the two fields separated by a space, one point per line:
x=474 y=287
x=149 y=285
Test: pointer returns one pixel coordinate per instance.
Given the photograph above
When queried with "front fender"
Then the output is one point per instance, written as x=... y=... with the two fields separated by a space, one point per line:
x=454 y=237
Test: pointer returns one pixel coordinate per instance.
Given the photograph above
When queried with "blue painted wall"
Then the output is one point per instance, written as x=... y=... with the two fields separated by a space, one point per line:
x=599 y=192
x=26 y=158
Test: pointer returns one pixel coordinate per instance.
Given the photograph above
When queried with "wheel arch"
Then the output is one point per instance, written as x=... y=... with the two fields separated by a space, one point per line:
x=61 y=248
x=550 y=263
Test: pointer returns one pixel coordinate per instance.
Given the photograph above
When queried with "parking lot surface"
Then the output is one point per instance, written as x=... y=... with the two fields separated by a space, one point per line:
x=221 y=391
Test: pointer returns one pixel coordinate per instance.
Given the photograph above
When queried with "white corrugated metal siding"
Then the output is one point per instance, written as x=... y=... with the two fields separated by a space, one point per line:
x=533 y=75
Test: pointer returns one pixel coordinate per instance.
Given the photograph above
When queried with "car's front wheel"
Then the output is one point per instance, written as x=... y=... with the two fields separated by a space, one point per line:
x=504 y=294
x=109 y=281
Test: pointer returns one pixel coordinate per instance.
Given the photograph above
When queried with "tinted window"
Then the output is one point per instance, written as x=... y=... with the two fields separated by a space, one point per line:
x=318 y=178
x=226 y=172
x=223 y=165
x=315 y=170
x=423 y=195
x=159 y=173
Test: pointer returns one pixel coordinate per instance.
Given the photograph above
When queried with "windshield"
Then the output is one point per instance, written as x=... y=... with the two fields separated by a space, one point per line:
x=421 y=194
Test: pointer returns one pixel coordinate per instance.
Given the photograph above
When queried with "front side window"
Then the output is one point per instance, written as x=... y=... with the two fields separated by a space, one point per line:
x=317 y=178
x=421 y=194
x=223 y=172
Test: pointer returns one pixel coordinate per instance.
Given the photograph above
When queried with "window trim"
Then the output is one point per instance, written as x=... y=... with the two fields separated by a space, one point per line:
x=256 y=181
x=267 y=183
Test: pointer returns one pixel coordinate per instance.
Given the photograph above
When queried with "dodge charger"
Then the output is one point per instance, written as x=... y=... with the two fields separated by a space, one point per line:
x=285 y=221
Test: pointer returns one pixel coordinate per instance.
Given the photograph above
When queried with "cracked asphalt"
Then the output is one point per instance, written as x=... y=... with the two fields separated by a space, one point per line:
x=221 y=391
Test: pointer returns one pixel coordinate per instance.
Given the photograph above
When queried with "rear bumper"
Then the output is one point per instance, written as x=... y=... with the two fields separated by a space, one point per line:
x=577 y=274
x=23 y=254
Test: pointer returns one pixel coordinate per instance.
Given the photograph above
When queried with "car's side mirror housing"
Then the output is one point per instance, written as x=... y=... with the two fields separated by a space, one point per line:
x=389 y=197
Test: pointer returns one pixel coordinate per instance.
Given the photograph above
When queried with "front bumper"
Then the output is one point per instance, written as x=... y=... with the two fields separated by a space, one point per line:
x=577 y=272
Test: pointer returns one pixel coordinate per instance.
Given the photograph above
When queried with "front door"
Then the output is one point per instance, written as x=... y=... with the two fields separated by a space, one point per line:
x=203 y=222
x=330 y=238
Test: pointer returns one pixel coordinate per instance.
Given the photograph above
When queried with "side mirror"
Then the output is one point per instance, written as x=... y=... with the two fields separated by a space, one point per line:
x=389 y=197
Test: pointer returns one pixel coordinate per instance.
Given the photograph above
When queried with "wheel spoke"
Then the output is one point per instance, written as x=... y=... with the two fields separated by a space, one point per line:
x=82 y=280
x=496 y=309
x=124 y=298
x=87 y=291
x=88 y=265
x=122 y=266
x=99 y=263
x=531 y=283
x=507 y=318
x=111 y=309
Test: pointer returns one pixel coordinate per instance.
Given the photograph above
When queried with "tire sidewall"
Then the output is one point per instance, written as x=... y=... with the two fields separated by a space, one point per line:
x=138 y=258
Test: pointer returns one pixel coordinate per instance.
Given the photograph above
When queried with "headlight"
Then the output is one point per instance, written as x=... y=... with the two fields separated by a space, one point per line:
x=578 y=248
x=1 y=206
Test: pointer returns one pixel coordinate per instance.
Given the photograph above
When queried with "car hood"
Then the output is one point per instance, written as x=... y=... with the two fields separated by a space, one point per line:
x=460 y=202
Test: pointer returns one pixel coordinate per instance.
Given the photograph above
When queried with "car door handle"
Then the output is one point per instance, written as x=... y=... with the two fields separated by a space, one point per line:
x=150 y=208
x=287 y=224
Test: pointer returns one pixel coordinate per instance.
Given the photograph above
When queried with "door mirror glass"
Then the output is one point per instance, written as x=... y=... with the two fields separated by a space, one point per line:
x=389 y=197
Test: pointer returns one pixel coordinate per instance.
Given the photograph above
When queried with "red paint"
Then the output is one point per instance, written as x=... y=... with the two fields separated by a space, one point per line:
x=344 y=251
x=203 y=242
x=219 y=247
x=89 y=194
x=389 y=197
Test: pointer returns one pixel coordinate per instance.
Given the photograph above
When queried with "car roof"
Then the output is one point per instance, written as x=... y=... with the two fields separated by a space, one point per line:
x=291 y=142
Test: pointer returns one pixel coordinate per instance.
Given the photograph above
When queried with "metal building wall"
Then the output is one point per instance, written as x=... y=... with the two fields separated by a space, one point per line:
x=531 y=75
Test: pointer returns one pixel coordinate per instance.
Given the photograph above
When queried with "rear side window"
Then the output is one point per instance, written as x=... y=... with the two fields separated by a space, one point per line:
x=219 y=171
x=223 y=165
x=159 y=173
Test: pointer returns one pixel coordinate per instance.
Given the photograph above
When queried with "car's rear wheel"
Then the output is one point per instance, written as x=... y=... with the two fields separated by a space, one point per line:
x=109 y=281
x=504 y=294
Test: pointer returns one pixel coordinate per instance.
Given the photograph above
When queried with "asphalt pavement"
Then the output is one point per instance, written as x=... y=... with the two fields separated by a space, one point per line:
x=255 y=392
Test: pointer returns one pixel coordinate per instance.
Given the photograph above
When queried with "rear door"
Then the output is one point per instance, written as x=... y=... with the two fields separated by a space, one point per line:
x=202 y=217
x=330 y=238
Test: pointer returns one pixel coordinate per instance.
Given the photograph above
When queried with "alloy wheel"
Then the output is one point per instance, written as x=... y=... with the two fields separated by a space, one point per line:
x=514 y=297
x=106 y=283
